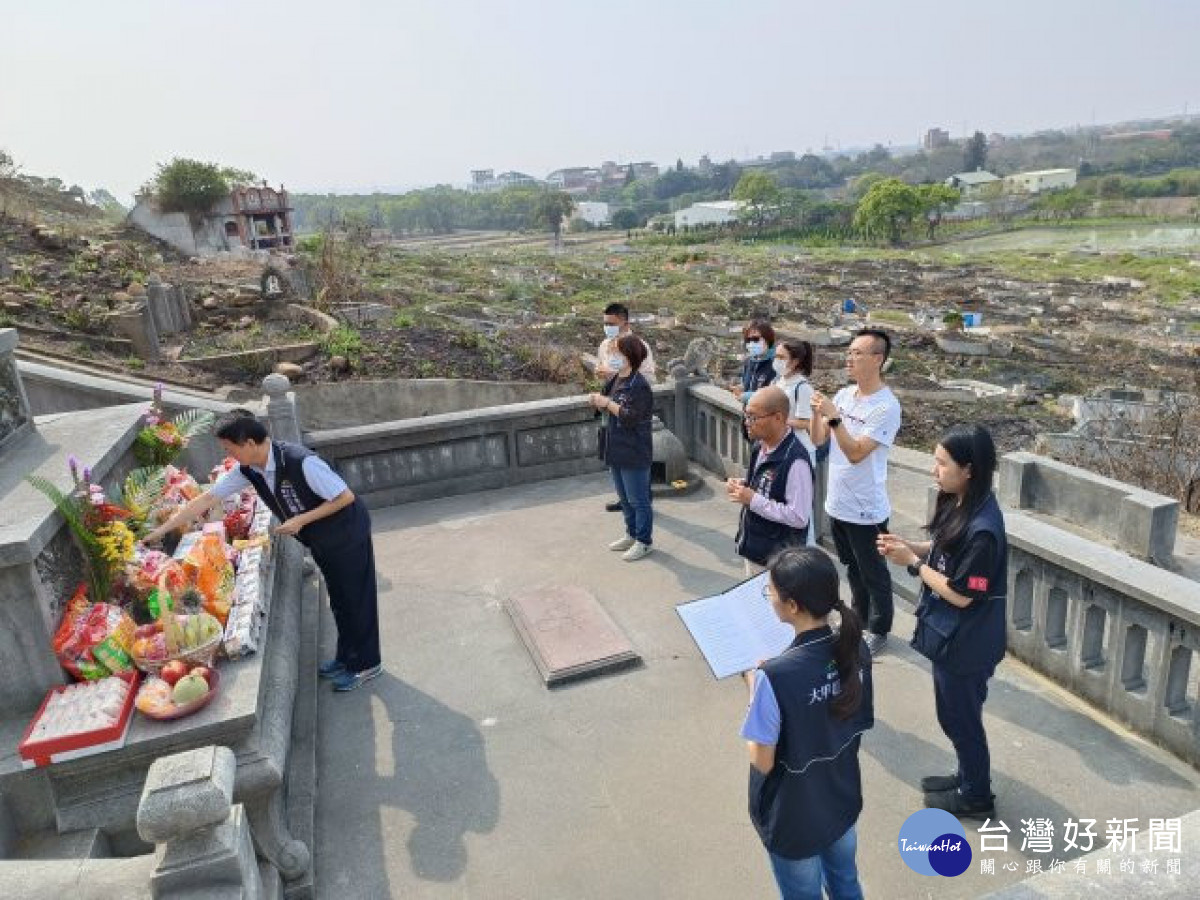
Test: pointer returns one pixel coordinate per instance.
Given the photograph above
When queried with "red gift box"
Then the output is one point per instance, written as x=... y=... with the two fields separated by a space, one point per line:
x=83 y=743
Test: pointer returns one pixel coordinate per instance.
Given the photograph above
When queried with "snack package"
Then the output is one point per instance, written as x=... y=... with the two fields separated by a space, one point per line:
x=209 y=569
x=94 y=641
x=181 y=487
x=153 y=570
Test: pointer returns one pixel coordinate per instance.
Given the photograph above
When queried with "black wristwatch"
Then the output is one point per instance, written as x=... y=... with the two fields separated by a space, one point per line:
x=835 y=422
x=915 y=569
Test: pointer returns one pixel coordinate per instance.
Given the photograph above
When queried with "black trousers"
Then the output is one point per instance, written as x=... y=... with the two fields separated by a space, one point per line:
x=349 y=571
x=867 y=572
x=958 y=698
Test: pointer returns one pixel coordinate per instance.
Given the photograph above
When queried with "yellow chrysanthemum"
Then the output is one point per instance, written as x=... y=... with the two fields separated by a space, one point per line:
x=116 y=543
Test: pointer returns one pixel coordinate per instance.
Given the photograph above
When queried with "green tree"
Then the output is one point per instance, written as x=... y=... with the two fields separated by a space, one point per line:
x=887 y=209
x=760 y=192
x=625 y=219
x=630 y=176
x=975 y=152
x=863 y=183
x=552 y=208
x=935 y=199
x=192 y=187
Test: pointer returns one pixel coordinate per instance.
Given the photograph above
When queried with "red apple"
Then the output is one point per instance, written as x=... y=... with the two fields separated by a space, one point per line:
x=204 y=672
x=173 y=671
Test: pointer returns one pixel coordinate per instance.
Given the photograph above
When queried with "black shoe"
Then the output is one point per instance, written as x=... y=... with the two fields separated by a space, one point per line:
x=931 y=784
x=612 y=506
x=957 y=805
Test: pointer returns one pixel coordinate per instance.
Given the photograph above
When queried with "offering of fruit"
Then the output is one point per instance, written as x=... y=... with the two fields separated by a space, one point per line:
x=189 y=689
x=154 y=699
x=173 y=671
x=203 y=672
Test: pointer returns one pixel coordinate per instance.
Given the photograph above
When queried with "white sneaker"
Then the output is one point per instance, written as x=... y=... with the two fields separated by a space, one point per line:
x=636 y=552
x=623 y=544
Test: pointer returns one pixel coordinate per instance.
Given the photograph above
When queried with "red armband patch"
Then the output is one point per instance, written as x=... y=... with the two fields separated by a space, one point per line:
x=977 y=583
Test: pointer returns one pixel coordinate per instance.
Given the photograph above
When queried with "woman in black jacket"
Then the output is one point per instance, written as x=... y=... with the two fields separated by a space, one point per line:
x=758 y=370
x=963 y=574
x=627 y=405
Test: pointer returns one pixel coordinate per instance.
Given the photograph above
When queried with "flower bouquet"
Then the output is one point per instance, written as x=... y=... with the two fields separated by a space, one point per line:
x=161 y=440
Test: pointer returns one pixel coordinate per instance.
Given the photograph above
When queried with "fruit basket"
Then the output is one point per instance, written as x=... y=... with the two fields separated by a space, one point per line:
x=194 y=645
x=168 y=709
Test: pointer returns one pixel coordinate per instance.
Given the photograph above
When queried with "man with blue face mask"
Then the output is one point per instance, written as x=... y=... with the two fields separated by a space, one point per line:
x=609 y=362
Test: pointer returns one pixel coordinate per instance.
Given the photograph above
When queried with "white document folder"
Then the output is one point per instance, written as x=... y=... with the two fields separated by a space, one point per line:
x=737 y=629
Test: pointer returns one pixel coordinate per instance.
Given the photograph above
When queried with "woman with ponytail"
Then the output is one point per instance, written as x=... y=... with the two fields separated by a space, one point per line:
x=963 y=575
x=809 y=708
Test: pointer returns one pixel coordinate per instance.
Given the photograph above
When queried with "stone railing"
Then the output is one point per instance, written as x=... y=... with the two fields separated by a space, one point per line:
x=1118 y=631
x=463 y=452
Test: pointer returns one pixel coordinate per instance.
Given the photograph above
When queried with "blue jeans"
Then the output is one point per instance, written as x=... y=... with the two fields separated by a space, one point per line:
x=633 y=490
x=801 y=879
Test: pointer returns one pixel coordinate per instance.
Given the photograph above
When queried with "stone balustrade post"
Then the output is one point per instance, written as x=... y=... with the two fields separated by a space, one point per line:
x=283 y=416
x=204 y=840
x=16 y=419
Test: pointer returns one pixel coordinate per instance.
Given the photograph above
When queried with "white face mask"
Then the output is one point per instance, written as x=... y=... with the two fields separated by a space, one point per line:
x=616 y=363
x=611 y=331
x=755 y=348
x=780 y=366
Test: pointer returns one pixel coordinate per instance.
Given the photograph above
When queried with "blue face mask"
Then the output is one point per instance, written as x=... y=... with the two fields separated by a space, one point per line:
x=756 y=348
x=611 y=331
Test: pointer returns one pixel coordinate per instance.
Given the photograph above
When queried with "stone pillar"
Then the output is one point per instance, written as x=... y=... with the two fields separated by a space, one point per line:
x=187 y=806
x=685 y=426
x=136 y=322
x=160 y=302
x=15 y=417
x=182 y=308
x=280 y=404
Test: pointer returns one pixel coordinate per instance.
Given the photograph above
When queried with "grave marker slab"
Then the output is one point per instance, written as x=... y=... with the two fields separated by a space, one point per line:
x=568 y=634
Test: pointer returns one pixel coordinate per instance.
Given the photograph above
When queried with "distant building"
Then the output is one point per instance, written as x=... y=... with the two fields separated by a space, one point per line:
x=935 y=138
x=251 y=218
x=716 y=212
x=484 y=182
x=1042 y=180
x=577 y=180
x=645 y=170
x=971 y=184
x=593 y=212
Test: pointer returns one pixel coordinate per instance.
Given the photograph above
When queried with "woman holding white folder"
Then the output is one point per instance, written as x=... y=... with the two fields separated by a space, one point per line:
x=809 y=708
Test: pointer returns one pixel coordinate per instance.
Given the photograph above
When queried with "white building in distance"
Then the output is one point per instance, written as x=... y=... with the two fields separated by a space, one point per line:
x=594 y=212
x=714 y=212
x=1041 y=180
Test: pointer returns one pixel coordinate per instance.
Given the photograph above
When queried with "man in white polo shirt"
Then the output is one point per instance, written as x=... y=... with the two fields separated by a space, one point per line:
x=860 y=423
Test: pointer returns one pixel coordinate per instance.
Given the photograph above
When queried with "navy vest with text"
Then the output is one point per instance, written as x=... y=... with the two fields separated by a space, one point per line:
x=814 y=792
x=290 y=496
x=980 y=640
x=758 y=538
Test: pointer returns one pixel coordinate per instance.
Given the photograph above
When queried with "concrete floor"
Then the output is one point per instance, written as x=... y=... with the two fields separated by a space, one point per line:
x=457 y=774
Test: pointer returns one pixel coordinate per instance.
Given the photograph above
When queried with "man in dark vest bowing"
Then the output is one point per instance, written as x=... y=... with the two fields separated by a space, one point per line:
x=776 y=494
x=314 y=505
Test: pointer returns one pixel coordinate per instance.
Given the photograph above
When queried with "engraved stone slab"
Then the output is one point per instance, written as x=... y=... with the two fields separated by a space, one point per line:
x=568 y=634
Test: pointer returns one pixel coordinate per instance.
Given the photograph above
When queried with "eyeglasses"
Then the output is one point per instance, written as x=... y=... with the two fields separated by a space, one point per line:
x=766 y=590
x=751 y=418
x=754 y=337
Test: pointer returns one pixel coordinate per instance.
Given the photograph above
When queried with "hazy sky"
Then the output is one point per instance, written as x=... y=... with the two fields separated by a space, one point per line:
x=362 y=94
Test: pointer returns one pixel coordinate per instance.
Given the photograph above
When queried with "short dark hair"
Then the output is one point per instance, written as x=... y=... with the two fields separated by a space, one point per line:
x=880 y=336
x=633 y=348
x=238 y=426
x=617 y=309
x=802 y=352
x=763 y=327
